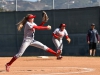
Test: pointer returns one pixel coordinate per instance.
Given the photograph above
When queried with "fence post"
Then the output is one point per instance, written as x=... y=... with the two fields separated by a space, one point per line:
x=16 y=5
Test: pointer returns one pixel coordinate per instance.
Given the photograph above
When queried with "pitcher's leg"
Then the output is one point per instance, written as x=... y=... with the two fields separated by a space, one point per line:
x=21 y=51
x=43 y=47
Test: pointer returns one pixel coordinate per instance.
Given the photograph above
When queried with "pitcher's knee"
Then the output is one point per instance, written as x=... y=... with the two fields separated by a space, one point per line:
x=45 y=48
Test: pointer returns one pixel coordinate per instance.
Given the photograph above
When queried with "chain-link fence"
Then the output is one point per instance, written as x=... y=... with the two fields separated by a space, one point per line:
x=33 y=5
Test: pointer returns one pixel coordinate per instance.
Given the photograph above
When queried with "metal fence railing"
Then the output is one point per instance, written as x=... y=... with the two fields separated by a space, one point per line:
x=33 y=5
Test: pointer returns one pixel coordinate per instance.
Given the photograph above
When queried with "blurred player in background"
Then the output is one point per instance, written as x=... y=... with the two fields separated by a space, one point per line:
x=92 y=39
x=58 y=35
x=28 y=40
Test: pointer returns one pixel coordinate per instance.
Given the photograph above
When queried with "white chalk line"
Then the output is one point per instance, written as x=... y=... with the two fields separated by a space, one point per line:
x=84 y=71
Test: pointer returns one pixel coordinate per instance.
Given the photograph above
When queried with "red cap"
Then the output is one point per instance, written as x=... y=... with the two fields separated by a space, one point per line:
x=31 y=16
x=63 y=25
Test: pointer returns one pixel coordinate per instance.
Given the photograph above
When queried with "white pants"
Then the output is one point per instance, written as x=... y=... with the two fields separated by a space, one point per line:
x=29 y=42
x=58 y=43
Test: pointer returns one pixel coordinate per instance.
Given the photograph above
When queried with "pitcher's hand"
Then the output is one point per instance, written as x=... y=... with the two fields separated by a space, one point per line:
x=49 y=27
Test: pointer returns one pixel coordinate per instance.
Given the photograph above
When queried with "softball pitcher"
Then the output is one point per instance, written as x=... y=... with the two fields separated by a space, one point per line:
x=28 y=40
x=58 y=35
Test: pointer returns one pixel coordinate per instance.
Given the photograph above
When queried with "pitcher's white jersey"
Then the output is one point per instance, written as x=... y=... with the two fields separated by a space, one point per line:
x=28 y=32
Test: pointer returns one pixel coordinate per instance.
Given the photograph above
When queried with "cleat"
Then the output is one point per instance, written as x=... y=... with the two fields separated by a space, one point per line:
x=7 y=67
